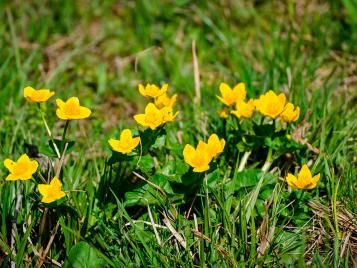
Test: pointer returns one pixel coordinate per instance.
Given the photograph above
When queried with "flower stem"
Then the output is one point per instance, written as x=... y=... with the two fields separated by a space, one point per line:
x=244 y=160
x=268 y=161
x=64 y=135
x=65 y=131
x=48 y=131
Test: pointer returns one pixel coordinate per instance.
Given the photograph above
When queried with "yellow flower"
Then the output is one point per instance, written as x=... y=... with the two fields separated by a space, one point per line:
x=22 y=169
x=152 y=118
x=198 y=158
x=304 y=179
x=165 y=101
x=270 y=104
x=153 y=91
x=244 y=109
x=168 y=114
x=289 y=114
x=215 y=145
x=231 y=96
x=126 y=143
x=223 y=113
x=71 y=109
x=40 y=95
x=51 y=192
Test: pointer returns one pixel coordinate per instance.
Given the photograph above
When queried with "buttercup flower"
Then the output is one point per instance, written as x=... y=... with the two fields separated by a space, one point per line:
x=165 y=101
x=244 y=109
x=126 y=144
x=22 y=169
x=40 y=95
x=270 y=104
x=152 y=118
x=231 y=96
x=168 y=114
x=198 y=158
x=153 y=91
x=71 y=109
x=304 y=180
x=223 y=113
x=215 y=145
x=51 y=192
x=289 y=114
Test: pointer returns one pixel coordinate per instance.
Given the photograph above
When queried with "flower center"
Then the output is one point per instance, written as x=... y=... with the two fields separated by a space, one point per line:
x=71 y=109
x=20 y=168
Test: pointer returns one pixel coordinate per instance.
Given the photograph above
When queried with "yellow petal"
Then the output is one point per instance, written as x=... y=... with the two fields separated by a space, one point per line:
x=43 y=189
x=291 y=180
x=84 y=112
x=151 y=108
x=24 y=158
x=115 y=144
x=282 y=99
x=142 y=90
x=201 y=169
x=135 y=141
x=188 y=153
x=8 y=163
x=73 y=100
x=224 y=89
x=61 y=115
x=304 y=174
x=55 y=182
x=126 y=135
x=140 y=119
x=11 y=177
x=28 y=91
x=60 y=103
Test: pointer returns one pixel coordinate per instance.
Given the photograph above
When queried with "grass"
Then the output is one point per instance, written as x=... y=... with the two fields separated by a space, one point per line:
x=100 y=51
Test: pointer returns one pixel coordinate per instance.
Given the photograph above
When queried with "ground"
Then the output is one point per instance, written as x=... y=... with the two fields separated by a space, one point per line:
x=99 y=51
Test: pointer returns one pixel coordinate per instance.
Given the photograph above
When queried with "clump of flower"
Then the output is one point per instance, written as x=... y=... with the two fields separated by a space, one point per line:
x=71 y=109
x=231 y=96
x=153 y=91
x=244 y=109
x=201 y=157
x=290 y=113
x=158 y=112
x=165 y=101
x=224 y=113
x=51 y=192
x=126 y=144
x=22 y=169
x=304 y=179
x=37 y=95
x=215 y=145
x=270 y=104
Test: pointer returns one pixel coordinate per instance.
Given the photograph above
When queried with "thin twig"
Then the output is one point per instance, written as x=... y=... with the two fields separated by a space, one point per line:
x=151 y=183
x=196 y=72
x=154 y=227
x=50 y=241
x=59 y=167
x=14 y=227
x=178 y=237
x=145 y=222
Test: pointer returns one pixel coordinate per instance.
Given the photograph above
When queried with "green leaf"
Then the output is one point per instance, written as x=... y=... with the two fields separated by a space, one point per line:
x=146 y=163
x=250 y=178
x=50 y=151
x=82 y=255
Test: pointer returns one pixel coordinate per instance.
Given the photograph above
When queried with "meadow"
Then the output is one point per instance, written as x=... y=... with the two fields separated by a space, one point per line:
x=178 y=133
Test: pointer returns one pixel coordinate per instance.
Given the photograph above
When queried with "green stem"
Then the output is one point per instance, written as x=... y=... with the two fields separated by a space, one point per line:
x=64 y=136
x=65 y=131
x=206 y=211
x=48 y=131
x=268 y=161
x=244 y=161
